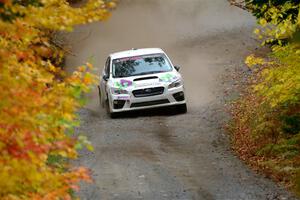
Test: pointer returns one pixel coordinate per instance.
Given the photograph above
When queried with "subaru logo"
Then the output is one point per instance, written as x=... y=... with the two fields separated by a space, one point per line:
x=148 y=90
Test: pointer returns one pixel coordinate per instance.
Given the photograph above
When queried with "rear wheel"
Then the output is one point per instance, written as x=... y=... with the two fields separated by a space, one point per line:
x=182 y=108
x=100 y=97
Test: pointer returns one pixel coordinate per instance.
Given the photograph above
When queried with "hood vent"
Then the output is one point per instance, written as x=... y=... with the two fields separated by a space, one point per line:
x=145 y=78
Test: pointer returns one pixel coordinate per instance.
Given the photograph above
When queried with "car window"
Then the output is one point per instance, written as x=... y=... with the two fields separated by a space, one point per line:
x=107 y=66
x=140 y=65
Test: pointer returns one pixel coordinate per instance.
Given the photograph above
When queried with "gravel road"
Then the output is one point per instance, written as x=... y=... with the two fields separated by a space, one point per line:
x=157 y=155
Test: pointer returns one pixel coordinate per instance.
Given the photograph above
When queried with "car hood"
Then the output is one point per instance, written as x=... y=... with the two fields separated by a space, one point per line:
x=145 y=81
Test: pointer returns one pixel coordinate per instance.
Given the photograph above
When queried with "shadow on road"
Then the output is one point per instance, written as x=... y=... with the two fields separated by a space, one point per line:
x=162 y=111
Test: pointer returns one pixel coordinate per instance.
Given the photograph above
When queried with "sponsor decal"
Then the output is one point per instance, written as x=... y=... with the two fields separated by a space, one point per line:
x=129 y=58
x=123 y=97
x=147 y=84
x=167 y=77
x=123 y=83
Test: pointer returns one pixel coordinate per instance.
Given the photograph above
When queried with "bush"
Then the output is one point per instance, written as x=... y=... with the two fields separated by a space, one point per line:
x=265 y=119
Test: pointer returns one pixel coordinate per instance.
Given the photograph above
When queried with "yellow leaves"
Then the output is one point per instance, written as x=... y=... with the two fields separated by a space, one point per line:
x=279 y=80
x=266 y=110
x=251 y=61
x=43 y=51
x=83 y=78
x=38 y=102
x=52 y=68
x=81 y=69
x=68 y=116
x=111 y=5
x=298 y=17
x=46 y=79
x=88 y=79
x=17 y=175
x=256 y=31
x=82 y=141
x=277 y=22
x=64 y=17
x=89 y=65
x=263 y=22
x=280 y=84
x=285 y=29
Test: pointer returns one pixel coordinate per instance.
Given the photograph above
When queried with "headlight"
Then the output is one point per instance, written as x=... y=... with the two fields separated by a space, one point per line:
x=118 y=91
x=176 y=83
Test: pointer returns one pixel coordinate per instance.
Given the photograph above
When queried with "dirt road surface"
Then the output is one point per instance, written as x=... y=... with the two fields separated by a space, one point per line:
x=161 y=155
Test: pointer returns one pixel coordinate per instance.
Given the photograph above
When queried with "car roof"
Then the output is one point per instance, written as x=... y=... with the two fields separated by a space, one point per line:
x=135 y=52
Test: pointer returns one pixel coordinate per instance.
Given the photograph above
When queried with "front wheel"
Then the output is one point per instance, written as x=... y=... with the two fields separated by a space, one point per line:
x=111 y=114
x=182 y=108
x=101 y=103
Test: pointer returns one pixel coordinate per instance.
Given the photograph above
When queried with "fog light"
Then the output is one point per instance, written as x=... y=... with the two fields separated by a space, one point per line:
x=118 y=104
x=179 y=96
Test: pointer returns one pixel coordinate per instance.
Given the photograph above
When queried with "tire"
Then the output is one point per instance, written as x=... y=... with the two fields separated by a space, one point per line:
x=182 y=108
x=101 y=103
x=112 y=115
x=100 y=97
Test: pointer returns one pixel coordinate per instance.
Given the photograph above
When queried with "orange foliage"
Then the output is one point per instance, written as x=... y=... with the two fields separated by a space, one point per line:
x=37 y=109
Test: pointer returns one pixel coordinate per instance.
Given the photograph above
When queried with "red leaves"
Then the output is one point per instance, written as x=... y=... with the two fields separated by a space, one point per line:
x=24 y=148
x=5 y=1
x=37 y=99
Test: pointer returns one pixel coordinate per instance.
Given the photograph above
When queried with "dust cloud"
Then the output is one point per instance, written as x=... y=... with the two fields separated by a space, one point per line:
x=198 y=35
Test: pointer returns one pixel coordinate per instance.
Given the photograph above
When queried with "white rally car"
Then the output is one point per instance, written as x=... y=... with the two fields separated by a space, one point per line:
x=140 y=79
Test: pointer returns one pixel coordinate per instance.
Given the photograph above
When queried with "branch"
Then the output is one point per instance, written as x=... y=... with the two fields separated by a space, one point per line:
x=238 y=3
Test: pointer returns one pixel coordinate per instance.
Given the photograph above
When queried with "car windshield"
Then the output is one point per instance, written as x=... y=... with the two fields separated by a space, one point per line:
x=140 y=65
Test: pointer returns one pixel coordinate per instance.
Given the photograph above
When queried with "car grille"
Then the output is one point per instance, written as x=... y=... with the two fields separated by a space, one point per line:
x=149 y=103
x=148 y=92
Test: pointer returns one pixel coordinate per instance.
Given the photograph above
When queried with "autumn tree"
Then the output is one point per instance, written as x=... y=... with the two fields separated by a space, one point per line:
x=266 y=118
x=38 y=102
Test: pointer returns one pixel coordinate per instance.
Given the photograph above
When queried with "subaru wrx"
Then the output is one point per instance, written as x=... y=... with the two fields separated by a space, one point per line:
x=141 y=79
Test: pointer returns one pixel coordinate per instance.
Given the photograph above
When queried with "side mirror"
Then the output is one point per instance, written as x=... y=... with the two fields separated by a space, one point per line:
x=177 y=67
x=105 y=77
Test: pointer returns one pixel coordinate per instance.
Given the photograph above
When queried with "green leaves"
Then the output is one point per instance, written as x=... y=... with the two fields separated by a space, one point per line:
x=82 y=142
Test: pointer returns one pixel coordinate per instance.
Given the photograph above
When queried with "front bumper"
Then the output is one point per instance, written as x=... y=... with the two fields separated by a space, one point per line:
x=127 y=102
